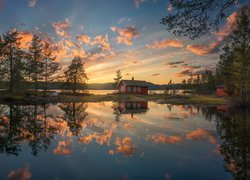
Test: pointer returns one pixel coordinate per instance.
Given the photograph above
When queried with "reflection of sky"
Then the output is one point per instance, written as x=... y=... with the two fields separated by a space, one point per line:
x=153 y=145
x=112 y=35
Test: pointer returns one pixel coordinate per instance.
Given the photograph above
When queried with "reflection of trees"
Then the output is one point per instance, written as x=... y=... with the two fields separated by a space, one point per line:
x=39 y=133
x=116 y=111
x=74 y=114
x=10 y=131
x=234 y=129
x=19 y=123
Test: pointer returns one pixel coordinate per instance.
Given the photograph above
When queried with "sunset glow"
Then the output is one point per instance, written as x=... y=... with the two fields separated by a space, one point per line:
x=109 y=37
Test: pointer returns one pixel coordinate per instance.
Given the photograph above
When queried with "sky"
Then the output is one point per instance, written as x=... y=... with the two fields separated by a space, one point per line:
x=113 y=35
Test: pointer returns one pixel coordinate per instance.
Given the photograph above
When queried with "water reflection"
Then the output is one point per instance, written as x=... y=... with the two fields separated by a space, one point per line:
x=134 y=130
x=129 y=107
x=233 y=126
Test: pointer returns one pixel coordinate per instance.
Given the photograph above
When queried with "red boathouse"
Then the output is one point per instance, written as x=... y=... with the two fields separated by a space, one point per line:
x=133 y=87
x=220 y=91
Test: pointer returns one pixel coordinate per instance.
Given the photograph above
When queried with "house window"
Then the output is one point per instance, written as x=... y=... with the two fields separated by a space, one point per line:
x=134 y=89
x=139 y=89
x=129 y=89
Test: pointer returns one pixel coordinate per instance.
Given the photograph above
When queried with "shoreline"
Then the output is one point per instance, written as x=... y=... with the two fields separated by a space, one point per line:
x=160 y=98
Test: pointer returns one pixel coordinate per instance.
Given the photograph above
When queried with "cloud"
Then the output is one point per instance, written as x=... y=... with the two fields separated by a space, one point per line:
x=121 y=20
x=161 y=138
x=138 y=3
x=190 y=71
x=213 y=47
x=204 y=49
x=165 y=43
x=25 y=39
x=228 y=27
x=156 y=74
x=174 y=63
x=20 y=174
x=103 y=42
x=126 y=35
x=83 y=38
x=170 y=7
x=124 y=146
x=63 y=148
x=99 y=138
x=62 y=28
x=32 y=3
x=201 y=135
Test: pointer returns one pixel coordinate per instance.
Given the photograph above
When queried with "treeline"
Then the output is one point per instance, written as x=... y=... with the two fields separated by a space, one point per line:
x=233 y=69
x=204 y=83
x=34 y=65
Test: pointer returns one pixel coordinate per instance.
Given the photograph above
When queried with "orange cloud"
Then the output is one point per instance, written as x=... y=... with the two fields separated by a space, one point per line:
x=165 y=43
x=161 y=138
x=103 y=42
x=83 y=38
x=227 y=28
x=21 y=174
x=63 y=148
x=124 y=146
x=126 y=35
x=25 y=39
x=203 y=49
x=99 y=138
x=202 y=135
x=62 y=28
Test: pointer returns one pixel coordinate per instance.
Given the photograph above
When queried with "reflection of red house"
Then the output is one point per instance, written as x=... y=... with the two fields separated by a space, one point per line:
x=133 y=107
x=222 y=108
x=220 y=91
x=133 y=87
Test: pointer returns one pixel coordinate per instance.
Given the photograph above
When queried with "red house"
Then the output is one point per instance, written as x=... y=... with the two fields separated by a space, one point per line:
x=133 y=87
x=220 y=91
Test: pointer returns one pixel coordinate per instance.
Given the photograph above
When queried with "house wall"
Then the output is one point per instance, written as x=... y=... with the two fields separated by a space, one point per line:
x=136 y=90
x=122 y=88
x=220 y=91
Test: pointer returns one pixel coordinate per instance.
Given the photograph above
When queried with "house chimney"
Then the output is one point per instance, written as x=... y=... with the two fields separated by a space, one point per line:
x=132 y=78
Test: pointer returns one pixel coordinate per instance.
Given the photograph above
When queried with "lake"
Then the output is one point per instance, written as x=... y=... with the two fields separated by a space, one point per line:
x=123 y=140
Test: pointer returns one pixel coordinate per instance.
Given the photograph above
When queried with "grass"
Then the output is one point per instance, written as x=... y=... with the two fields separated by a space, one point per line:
x=160 y=98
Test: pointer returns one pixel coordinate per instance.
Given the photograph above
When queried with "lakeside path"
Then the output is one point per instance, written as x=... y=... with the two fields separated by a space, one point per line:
x=160 y=98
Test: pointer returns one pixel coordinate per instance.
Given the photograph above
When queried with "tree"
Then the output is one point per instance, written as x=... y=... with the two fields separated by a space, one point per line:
x=75 y=74
x=12 y=60
x=35 y=64
x=74 y=115
x=234 y=64
x=50 y=66
x=194 y=18
x=117 y=79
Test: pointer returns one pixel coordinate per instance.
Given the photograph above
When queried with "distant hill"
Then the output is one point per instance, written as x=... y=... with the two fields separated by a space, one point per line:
x=93 y=86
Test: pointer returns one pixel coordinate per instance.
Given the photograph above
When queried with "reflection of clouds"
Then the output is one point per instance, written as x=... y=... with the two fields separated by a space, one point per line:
x=161 y=138
x=99 y=138
x=20 y=174
x=201 y=135
x=63 y=148
x=124 y=146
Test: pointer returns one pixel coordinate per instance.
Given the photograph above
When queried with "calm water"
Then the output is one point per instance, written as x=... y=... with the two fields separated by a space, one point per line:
x=125 y=140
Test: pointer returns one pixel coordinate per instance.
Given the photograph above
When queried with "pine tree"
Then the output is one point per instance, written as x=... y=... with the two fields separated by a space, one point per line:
x=35 y=68
x=12 y=61
x=50 y=66
x=117 y=79
x=234 y=65
x=75 y=74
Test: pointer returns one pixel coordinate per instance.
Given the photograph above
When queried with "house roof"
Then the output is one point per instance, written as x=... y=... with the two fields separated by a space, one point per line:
x=220 y=86
x=135 y=83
